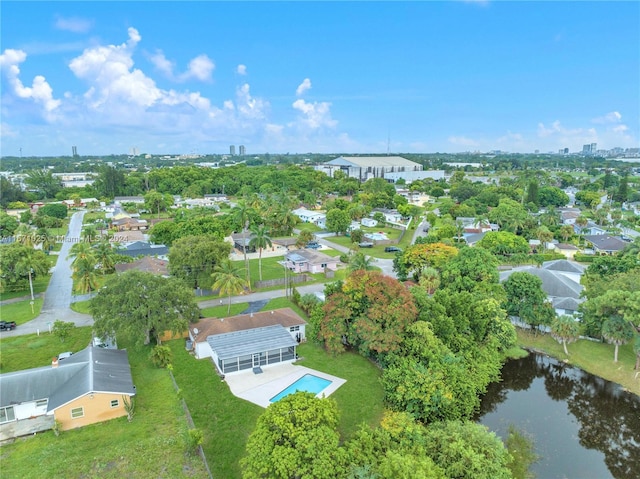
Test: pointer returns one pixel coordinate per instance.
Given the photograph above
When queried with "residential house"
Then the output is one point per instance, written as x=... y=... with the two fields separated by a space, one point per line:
x=318 y=218
x=568 y=250
x=146 y=264
x=82 y=203
x=605 y=244
x=390 y=215
x=310 y=261
x=144 y=248
x=248 y=341
x=129 y=224
x=366 y=167
x=368 y=222
x=120 y=200
x=560 y=281
x=87 y=387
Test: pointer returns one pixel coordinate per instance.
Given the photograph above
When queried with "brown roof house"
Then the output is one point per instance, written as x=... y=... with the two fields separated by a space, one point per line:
x=87 y=387
x=248 y=341
x=310 y=261
x=146 y=264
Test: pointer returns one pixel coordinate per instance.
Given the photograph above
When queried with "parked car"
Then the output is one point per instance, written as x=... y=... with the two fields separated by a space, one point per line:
x=392 y=249
x=365 y=244
x=313 y=245
x=65 y=355
x=7 y=325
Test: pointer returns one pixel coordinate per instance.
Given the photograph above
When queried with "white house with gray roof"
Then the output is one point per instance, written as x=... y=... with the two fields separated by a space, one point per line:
x=85 y=388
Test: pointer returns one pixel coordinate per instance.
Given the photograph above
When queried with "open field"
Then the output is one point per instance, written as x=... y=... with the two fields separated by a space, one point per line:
x=594 y=357
x=150 y=446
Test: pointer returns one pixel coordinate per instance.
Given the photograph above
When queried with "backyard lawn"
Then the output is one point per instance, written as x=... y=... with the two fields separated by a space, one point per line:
x=594 y=357
x=151 y=446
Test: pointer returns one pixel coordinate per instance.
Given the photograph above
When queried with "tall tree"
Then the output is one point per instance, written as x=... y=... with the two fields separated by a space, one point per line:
x=227 y=279
x=44 y=182
x=338 y=221
x=154 y=201
x=32 y=264
x=296 y=437
x=360 y=261
x=260 y=240
x=194 y=258
x=84 y=267
x=141 y=305
x=527 y=300
x=242 y=213
x=565 y=329
x=14 y=270
x=617 y=331
x=471 y=269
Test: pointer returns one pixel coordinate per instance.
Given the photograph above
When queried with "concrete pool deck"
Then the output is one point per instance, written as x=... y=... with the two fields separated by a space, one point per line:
x=259 y=388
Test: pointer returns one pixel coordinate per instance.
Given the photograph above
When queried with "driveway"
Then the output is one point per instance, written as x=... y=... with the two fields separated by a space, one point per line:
x=57 y=298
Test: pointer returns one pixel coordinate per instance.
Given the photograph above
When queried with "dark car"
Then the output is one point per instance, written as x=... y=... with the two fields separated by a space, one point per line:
x=365 y=244
x=313 y=245
x=7 y=325
x=392 y=249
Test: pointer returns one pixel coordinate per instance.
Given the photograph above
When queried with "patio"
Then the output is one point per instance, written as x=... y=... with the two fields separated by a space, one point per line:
x=259 y=388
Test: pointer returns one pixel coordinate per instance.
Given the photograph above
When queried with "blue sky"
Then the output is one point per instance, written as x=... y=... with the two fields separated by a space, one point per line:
x=330 y=77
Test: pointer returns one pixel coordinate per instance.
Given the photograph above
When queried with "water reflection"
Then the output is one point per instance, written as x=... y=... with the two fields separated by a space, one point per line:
x=582 y=425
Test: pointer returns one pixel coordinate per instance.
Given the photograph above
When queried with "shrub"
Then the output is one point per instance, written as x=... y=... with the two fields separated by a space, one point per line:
x=161 y=356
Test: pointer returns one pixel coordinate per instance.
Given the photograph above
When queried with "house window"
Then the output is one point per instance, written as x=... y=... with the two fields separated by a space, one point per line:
x=42 y=402
x=115 y=403
x=7 y=414
x=323 y=265
x=293 y=329
x=77 y=412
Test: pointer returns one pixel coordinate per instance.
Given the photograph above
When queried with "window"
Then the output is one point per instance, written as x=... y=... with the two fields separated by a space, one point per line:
x=115 y=402
x=7 y=414
x=294 y=328
x=42 y=402
x=323 y=265
x=77 y=412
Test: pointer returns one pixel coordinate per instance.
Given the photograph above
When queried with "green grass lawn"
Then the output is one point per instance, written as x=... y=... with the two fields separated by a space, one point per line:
x=308 y=227
x=82 y=306
x=20 y=312
x=225 y=419
x=151 y=446
x=594 y=357
x=40 y=284
x=221 y=311
x=91 y=216
x=360 y=399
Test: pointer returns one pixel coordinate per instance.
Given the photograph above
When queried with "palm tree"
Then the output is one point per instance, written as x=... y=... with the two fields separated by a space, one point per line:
x=24 y=234
x=565 y=329
x=260 y=240
x=84 y=267
x=241 y=216
x=45 y=238
x=430 y=279
x=617 y=331
x=89 y=233
x=32 y=263
x=582 y=222
x=566 y=231
x=228 y=280
x=105 y=256
x=360 y=261
x=544 y=236
x=304 y=238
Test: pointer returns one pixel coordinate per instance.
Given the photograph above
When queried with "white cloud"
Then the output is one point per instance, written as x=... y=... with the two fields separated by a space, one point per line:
x=611 y=117
x=620 y=128
x=303 y=87
x=241 y=70
x=200 y=68
x=40 y=91
x=314 y=115
x=73 y=24
x=248 y=106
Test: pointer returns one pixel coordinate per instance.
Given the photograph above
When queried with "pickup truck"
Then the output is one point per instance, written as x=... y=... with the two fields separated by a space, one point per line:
x=7 y=325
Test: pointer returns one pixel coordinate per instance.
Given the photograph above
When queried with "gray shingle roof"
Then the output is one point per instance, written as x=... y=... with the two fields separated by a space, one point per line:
x=553 y=283
x=564 y=265
x=567 y=303
x=249 y=341
x=606 y=242
x=90 y=370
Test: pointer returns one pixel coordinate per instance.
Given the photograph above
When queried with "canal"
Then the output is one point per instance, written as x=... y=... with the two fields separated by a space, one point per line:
x=582 y=426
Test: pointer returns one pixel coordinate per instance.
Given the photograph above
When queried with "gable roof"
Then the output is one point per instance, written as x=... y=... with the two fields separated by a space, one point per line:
x=373 y=161
x=309 y=256
x=142 y=248
x=90 y=370
x=249 y=341
x=285 y=317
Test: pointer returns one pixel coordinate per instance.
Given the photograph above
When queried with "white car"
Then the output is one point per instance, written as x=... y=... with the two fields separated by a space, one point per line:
x=65 y=355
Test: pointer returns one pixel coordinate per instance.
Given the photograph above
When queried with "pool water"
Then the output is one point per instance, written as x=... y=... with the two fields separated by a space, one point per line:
x=376 y=236
x=308 y=383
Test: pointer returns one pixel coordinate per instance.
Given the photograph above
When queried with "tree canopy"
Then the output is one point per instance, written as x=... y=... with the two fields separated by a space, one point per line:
x=194 y=258
x=139 y=305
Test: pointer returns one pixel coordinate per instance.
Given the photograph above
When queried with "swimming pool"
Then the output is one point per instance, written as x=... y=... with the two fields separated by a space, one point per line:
x=308 y=382
x=376 y=236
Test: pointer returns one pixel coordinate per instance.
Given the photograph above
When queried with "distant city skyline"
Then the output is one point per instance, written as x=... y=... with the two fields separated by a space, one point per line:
x=96 y=78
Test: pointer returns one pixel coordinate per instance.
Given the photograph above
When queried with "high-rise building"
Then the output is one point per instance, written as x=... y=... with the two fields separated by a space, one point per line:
x=232 y=150
x=566 y=151
x=242 y=150
x=594 y=148
x=74 y=151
